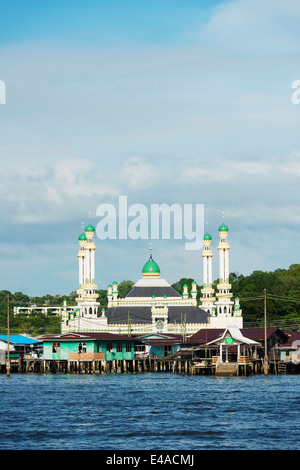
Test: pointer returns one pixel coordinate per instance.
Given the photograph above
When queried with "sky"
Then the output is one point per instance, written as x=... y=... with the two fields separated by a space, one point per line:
x=173 y=102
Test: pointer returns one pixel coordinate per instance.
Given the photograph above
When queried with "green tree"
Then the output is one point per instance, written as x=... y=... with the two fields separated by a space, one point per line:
x=124 y=288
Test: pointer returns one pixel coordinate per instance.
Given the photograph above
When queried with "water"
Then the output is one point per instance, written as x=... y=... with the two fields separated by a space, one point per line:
x=157 y=411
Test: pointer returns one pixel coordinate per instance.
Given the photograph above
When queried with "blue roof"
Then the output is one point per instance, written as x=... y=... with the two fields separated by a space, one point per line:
x=19 y=339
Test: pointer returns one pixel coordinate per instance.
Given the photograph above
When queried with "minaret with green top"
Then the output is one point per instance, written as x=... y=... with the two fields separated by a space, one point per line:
x=224 y=303
x=87 y=292
x=207 y=299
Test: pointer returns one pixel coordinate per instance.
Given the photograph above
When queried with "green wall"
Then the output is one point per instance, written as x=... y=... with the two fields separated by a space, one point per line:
x=67 y=347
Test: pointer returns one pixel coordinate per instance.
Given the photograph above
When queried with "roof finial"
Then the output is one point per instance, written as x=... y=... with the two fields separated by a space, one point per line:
x=151 y=251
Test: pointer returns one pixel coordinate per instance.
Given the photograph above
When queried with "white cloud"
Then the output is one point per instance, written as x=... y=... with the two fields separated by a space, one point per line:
x=208 y=121
x=223 y=170
x=52 y=193
x=291 y=165
x=259 y=27
x=138 y=173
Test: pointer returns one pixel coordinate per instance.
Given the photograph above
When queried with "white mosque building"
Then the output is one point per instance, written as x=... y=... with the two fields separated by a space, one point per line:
x=153 y=306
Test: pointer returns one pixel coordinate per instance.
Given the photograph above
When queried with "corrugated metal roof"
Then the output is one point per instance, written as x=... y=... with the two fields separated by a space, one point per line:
x=19 y=339
x=87 y=336
x=235 y=333
x=256 y=334
x=293 y=342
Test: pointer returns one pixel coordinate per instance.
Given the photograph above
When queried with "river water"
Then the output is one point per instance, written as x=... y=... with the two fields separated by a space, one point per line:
x=157 y=411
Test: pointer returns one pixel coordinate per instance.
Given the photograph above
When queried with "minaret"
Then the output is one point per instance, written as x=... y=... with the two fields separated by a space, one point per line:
x=207 y=299
x=87 y=292
x=224 y=303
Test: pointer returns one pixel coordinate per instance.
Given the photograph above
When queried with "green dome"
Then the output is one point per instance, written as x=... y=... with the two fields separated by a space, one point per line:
x=223 y=228
x=207 y=237
x=89 y=228
x=151 y=267
x=82 y=237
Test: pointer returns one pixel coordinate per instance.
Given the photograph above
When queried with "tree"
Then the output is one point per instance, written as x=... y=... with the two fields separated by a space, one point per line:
x=124 y=288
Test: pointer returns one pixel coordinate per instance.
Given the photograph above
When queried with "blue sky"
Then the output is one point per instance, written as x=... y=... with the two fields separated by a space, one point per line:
x=164 y=102
x=101 y=21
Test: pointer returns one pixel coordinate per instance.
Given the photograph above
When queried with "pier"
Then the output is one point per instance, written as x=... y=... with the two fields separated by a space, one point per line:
x=244 y=366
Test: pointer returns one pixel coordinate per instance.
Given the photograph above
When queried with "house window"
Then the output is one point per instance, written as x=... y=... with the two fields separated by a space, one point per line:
x=56 y=347
x=109 y=347
x=128 y=347
x=82 y=347
x=99 y=348
x=119 y=347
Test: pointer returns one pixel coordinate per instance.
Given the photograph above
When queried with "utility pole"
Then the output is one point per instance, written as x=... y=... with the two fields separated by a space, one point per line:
x=206 y=343
x=8 y=359
x=265 y=316
x=181 y=327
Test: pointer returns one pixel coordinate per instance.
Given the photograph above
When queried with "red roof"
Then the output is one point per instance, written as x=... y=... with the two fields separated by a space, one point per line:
x=209 y=334
x=206 y=334
x=87 y=336
x=293 y=336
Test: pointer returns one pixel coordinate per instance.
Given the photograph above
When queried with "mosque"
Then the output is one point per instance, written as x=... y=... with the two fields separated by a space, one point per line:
x=152 y=305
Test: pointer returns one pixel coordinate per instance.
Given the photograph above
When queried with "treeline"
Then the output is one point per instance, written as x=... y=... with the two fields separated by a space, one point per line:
x=33 y=324
x=282 y=293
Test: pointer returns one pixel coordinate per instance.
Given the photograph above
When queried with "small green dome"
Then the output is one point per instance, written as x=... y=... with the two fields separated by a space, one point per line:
x=82 y=237
x=151 y=267
x=223 y=228
x=207 y=237
x=89 y=228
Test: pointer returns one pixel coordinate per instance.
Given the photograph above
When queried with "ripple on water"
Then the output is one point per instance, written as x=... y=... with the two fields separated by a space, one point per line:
x=149 y=411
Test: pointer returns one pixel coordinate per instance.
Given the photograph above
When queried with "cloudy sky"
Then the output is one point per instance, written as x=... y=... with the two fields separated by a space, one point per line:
x=180 y=101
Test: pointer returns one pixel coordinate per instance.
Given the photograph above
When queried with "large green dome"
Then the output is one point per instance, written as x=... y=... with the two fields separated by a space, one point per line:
x=207 y=236
x=82 y=237
x=89 y=228
x=223 y=228
x=151 y=267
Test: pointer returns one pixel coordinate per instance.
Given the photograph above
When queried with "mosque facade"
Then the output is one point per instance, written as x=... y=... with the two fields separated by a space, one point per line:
x=152 y=305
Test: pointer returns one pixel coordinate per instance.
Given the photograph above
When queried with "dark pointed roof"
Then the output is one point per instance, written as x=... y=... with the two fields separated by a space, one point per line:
x=142 y=314
x=149 y=291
